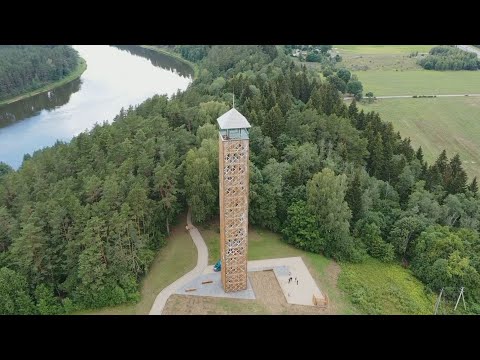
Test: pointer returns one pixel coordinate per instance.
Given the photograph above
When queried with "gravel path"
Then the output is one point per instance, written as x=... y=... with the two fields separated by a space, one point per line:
x=202 y=263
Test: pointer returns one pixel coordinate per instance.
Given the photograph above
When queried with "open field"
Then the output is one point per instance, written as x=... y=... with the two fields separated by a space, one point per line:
x=380 y=57
x=383 y=49
x=387 y=70
x=175 y=259
x=420 y=82
x=436 y=124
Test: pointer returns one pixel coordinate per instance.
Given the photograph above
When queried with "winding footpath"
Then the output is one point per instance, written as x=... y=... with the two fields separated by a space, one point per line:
x=202 y=263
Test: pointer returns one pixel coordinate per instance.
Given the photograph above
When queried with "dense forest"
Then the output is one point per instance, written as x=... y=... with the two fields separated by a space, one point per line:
x=449 y=58
x=80 y=222
x=25 y=68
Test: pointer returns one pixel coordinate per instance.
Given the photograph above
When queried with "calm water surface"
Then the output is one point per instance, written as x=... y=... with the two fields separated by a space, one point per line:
x=116 y=77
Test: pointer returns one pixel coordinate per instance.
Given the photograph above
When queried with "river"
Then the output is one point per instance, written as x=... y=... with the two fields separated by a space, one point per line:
x=116 y=77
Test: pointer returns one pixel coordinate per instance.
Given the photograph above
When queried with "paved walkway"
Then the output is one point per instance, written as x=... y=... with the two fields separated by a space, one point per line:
x=284 y=268
x=294 y=267
x=210 y=284
x=202 y=262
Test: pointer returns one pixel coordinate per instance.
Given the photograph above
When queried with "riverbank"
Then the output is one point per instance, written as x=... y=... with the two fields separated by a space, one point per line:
x=176 y=56
x=75 y=74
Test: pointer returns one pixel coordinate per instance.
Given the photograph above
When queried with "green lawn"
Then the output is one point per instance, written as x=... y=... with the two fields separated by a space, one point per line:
x=436 y=124
x=419 y=82
x=174 y=260
x=262 y=244
x=211 y=235
x=379 y=288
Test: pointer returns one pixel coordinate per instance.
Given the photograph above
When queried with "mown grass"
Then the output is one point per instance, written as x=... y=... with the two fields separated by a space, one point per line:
x=174 y=260
x=420 y=82
x=436 y=124
x=75 y=74
x=378 y=288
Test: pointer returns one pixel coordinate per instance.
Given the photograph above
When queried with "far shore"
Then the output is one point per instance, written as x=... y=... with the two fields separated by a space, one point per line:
x=174 y=55
x=75 y=74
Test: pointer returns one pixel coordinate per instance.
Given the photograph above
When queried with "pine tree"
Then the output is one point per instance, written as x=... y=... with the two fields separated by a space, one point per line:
x=404 y=147
x=419 y=155
x=424 y=171
x=376 y=158
x=457 y=177
x=315 y=101
x=473 y=187
x=165 y=181
x=330 y=100
x=388 y=140
x=305 y=89
x=433 y=178
x=361 y=121
x=274 y=124
x=442 y=165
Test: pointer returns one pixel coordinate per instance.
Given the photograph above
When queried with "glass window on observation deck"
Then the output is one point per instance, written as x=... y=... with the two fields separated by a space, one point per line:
x=234 y=134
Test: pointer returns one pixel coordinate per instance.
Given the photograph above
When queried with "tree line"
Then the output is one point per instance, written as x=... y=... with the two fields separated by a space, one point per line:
x=449 y=58
x=25 y=68
x=80 y=222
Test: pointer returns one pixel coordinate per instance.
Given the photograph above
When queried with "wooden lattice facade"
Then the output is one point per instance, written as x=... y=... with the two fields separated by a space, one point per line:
x=234 y=187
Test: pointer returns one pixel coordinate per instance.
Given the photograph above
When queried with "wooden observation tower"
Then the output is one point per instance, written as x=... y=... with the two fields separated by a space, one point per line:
x=234 y=188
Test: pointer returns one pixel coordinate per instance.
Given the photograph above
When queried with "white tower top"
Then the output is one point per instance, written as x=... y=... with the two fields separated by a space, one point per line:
x=232 y=119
